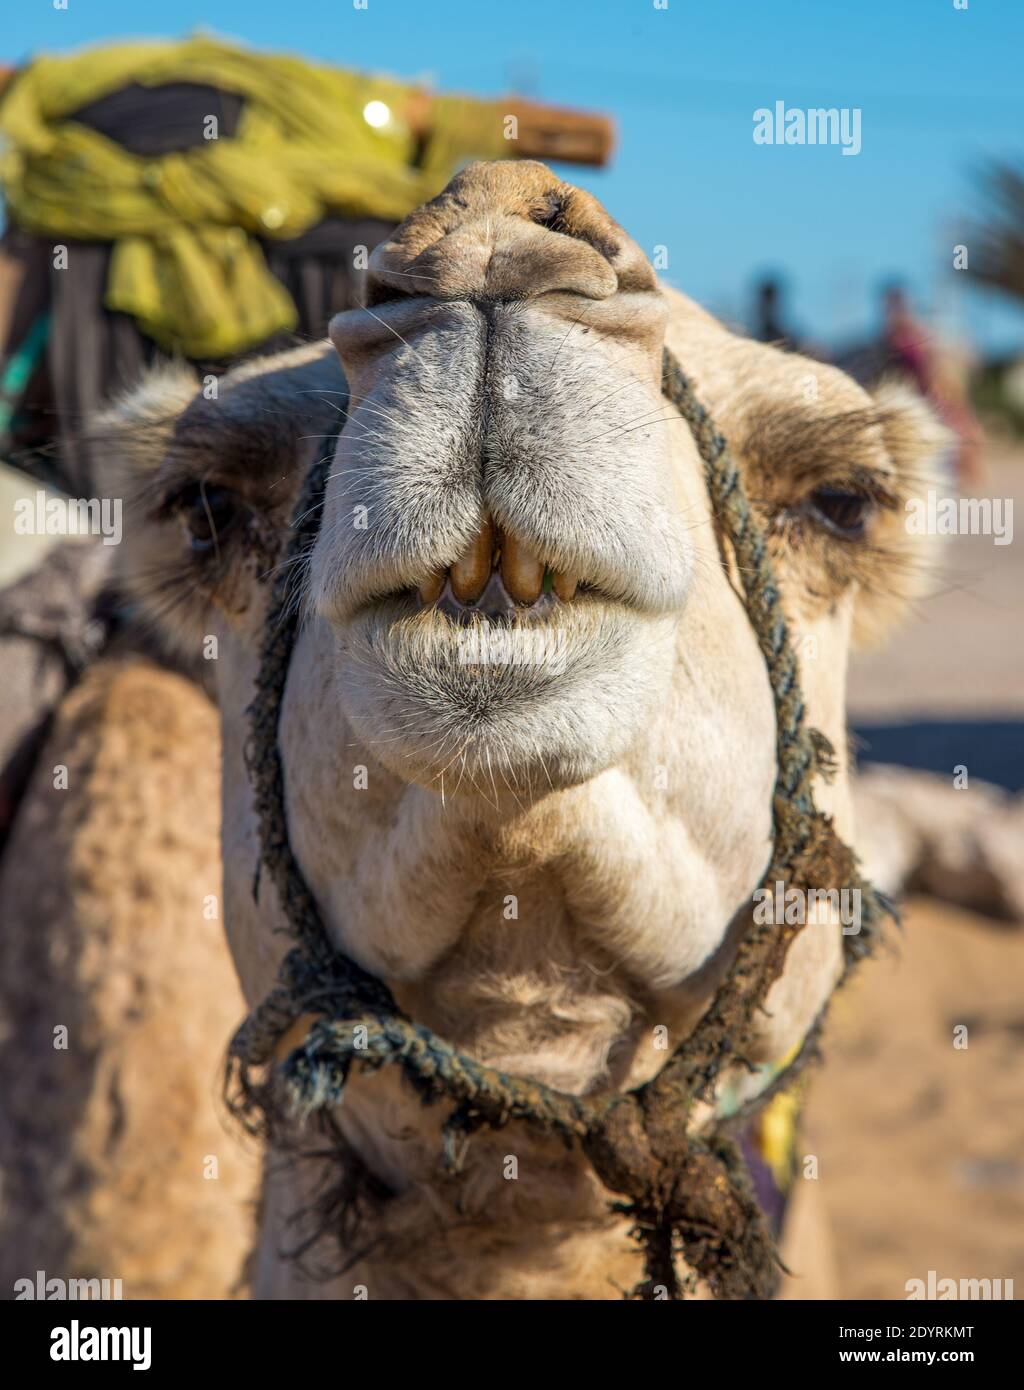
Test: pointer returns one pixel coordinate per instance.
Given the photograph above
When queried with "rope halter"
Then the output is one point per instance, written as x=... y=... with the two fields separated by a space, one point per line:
x=686 y=1193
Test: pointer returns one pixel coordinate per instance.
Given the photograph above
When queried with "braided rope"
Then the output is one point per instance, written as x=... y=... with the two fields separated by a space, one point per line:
x=684 y=1190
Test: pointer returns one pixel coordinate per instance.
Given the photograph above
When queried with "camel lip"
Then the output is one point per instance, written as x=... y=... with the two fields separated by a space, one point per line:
x=344 y=593
x=546 y=641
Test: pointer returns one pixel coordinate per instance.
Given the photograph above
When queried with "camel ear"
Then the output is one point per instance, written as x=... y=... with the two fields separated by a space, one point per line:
x=136 y=428
x=134 y=435
x=909 y=563
x=914 y=436
x=250 y=437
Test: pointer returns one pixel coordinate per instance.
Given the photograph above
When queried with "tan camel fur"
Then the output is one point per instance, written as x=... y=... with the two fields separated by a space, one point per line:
x=116 y=997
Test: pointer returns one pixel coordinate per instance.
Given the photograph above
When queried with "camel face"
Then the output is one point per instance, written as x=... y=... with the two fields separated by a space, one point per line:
x=528 y=736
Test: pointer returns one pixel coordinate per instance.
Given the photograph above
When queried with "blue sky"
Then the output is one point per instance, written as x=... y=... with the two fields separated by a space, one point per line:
x=939 y=89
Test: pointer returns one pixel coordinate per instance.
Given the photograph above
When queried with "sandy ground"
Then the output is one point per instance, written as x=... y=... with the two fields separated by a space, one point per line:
x=920 y=1144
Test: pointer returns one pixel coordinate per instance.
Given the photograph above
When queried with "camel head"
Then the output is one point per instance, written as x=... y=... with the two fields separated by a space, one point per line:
x=528 y=736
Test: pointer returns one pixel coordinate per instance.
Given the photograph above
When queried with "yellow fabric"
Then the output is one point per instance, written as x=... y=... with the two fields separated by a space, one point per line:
x=775 y=1128
x=185 y=263
x=776 y=1135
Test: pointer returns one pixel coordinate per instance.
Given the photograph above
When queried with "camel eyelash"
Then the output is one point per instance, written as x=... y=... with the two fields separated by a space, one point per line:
x=862 y=482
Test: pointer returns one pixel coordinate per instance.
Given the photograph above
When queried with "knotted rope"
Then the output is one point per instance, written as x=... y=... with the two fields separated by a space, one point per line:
x=685 y=1193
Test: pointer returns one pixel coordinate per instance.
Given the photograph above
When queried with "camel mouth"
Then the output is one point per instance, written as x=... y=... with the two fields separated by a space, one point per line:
x=499 y=578
x=497 y=573
x=436 y=601
x=493 y=604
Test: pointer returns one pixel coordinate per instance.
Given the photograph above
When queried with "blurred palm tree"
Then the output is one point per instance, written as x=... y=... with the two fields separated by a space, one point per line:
x=997 y=242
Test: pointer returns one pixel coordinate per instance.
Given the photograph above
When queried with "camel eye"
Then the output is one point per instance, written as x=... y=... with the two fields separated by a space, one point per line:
x=207 y=513
x=845 y=514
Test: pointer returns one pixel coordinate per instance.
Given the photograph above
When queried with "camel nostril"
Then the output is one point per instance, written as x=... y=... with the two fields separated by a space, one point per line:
x=548 y=212
x=380 y=292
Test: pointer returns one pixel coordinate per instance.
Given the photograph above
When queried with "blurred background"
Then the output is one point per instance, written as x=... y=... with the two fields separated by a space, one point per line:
x=906 y=258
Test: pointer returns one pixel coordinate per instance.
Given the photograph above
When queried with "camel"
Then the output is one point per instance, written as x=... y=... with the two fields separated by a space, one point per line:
x=545 y=859
x=116 y=994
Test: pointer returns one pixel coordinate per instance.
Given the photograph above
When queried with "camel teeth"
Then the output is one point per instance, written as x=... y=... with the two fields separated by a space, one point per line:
x=521 y=570
x=564 y=585
x=471 y=572
x=430 y=589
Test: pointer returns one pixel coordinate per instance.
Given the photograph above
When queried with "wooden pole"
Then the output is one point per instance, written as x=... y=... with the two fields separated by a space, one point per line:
x=558 y=132
x=542 y=131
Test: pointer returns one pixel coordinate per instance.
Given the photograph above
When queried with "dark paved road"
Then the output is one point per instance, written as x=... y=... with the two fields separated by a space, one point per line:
x=992 y=750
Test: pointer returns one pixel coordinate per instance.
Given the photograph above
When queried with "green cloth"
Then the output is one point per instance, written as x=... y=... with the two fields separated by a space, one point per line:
x=185 y=262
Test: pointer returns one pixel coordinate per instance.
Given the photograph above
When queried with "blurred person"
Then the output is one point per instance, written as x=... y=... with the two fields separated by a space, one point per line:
x=938 y=374
x=771 y=321
x=768 y=321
